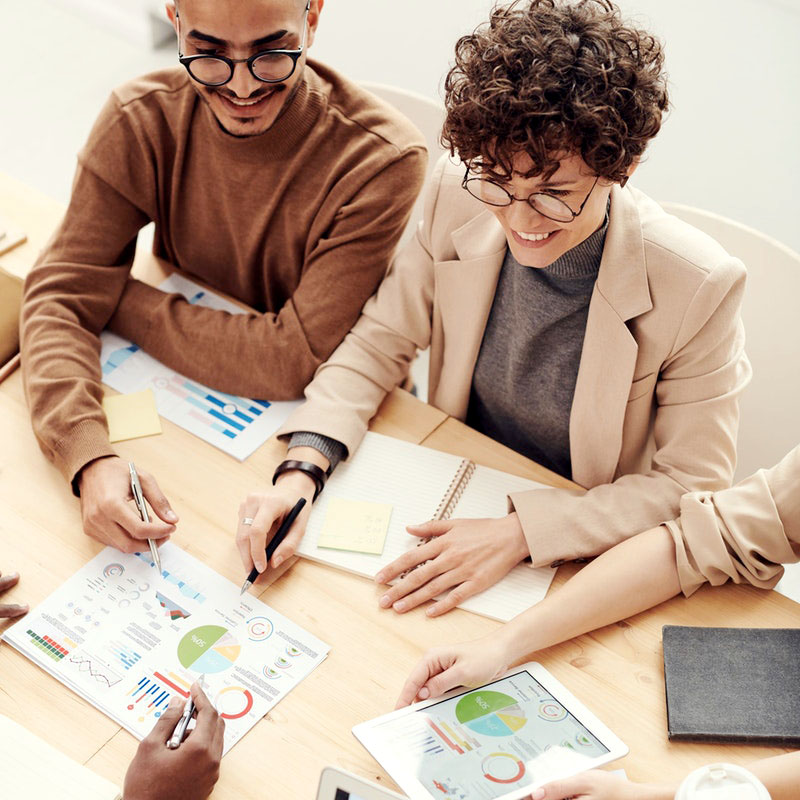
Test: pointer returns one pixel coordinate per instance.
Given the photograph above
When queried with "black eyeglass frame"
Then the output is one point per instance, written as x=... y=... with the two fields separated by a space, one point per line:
x=529 y=199
x=187 y=61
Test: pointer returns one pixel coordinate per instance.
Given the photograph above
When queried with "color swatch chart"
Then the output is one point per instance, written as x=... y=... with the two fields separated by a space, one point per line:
x=128 y=640
x=237 y=425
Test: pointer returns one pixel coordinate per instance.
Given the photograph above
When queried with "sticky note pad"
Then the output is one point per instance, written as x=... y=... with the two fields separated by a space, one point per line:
x=355 y=525
x=131 y=416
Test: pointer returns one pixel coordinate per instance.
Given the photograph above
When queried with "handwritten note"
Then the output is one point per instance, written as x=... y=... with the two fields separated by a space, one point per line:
x=131 y=416
x=355 y=525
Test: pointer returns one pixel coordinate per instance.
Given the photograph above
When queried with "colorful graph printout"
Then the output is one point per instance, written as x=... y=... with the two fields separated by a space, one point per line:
x=237 y=425
x=128 y=640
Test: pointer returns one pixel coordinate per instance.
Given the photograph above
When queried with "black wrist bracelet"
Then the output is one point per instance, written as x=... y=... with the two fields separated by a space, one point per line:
x=317 y=474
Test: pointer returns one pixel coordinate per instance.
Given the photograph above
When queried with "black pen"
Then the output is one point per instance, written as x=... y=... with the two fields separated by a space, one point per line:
x=279 y=536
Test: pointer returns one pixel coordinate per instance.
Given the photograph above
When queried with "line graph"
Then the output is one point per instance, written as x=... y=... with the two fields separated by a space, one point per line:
x=102 y=674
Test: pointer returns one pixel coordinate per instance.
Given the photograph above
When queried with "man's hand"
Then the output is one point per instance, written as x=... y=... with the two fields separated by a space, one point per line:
x=599 y=785
x=443 y=668
x=108 y=514
x=190 y=772
x=470 y=554
x=8 y=610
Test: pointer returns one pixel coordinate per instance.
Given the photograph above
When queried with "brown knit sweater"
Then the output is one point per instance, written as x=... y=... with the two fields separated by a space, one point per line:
x=299 y=223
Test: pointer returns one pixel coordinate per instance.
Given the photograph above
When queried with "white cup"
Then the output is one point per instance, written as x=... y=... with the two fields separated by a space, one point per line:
x=722 y=782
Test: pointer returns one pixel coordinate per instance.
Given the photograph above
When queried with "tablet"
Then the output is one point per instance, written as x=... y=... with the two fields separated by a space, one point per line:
x=336 y=784
x=499 y=741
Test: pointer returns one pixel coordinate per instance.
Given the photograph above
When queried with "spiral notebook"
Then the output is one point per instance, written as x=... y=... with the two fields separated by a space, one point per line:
x=423 y=484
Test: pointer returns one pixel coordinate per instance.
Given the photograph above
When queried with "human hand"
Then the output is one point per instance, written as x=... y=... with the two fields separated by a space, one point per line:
x=10 y=610
x=267 y=509
x=448 y=666
x=190 y=772
x=599 y=785
x=469 y=554
x=109 y=516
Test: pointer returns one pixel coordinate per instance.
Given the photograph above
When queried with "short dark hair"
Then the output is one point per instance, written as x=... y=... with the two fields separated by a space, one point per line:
x=550 y=78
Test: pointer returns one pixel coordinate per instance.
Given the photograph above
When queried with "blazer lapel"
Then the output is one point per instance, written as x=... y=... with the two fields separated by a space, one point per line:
x=608 y=358
x=465 y=290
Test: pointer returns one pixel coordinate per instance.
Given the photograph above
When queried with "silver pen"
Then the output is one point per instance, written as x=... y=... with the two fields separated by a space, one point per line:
x=138 y=498
x=180 y=729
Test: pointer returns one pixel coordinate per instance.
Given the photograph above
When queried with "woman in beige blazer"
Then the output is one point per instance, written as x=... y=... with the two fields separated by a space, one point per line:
x=654 y=410
x=742 y=534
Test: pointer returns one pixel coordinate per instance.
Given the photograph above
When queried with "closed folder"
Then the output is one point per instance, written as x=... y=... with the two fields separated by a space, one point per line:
x=733 y=684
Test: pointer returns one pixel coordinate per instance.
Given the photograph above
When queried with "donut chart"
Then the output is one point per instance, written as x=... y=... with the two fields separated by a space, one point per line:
x=490 y=713
x=502 y=768
x=209 y=648
x=552 y=711
x=233 y=702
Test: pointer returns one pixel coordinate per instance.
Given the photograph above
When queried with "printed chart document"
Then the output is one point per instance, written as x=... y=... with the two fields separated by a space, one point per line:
x=237 y=425
x=421 y=484
x=127 y=639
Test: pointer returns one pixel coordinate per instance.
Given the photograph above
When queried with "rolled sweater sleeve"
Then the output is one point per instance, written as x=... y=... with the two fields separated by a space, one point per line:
x=742 y=534
x=274 y=355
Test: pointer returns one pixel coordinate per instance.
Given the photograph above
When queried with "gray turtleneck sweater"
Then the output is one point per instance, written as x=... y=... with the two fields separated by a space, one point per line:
x=527 y=367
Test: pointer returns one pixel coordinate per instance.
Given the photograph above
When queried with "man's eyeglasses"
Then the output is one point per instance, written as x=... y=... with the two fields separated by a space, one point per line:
x=268 y=66
x=495 y=194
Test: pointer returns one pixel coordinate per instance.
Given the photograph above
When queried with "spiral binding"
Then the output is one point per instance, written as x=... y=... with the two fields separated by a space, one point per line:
x=455 y=489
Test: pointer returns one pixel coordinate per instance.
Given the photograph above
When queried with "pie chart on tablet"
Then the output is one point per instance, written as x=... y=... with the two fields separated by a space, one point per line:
x=490 y=713
x=209 y=648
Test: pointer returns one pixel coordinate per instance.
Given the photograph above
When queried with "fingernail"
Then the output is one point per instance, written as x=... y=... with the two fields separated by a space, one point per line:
x=13 y=576
x=431 y=612
x=400 y=605
x=385 y=601
x=379 y=578
x=423 y=693
x=261 y=566
x=171 y=515
x=174 y=701
x=537 y=794
x=277 y=561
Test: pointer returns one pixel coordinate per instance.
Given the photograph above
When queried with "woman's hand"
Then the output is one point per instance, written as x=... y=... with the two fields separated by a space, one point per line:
x=443 y=668
x=468 y=554
x=600 y=785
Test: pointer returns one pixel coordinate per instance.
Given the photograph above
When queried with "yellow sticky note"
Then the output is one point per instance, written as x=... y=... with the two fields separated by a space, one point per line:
x=131 y=415
x=355 y=525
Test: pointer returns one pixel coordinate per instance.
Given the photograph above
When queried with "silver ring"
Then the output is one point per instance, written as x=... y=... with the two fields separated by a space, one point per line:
x=247 y=521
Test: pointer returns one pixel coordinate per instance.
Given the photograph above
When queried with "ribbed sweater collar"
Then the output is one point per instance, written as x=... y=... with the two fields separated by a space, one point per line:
x=284 y=137
x=583 y=260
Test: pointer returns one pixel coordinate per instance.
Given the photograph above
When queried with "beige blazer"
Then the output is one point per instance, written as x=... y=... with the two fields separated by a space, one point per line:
x=744 y=533
x=655 y=410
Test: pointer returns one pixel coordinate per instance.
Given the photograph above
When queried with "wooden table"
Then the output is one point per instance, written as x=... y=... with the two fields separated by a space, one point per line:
x=617 y=670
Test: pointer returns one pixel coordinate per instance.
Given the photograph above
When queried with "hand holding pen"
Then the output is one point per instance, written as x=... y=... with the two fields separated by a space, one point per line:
x=189 y=771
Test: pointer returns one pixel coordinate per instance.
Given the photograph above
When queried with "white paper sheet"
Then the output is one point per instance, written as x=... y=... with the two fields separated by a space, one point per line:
x=237 y=425
x=127 y=639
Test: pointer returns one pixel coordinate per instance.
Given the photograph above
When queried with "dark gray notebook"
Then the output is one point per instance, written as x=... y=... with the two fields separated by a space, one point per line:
x=733 y=684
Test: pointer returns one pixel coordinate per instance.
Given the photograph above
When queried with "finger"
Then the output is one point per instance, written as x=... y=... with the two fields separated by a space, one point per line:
x=268 y=515
x=165 y=726
x=242 y=535
x=443 y=682
x=271 y=574
x=413 y=581
x=454 y=598
x=431 y=589
x=561 y=790
x=419 y=676
x=135 y=527
x=109 y=532
x=157 y=499
x=207 y=717
x=409 y=560
x=12 y=610
x=436 y=527
x=289 y=546
x=7 y=581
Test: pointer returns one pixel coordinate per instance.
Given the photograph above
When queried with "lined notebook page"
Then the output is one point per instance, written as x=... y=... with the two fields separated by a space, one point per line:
x=414 y=479
x=31 y=769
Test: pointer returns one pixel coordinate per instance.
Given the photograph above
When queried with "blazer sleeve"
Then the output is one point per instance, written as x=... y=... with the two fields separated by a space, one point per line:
x=695 y=424
x=376 y=355
x=742 y=534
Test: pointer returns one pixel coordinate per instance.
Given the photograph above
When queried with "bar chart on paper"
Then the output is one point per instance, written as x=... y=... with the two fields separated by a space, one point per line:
x=237 y=425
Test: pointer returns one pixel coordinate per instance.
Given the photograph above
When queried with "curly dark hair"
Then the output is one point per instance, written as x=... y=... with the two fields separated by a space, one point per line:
x=552 y=78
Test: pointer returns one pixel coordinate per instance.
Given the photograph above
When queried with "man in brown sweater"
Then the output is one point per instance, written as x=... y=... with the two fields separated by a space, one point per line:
x=274 y=180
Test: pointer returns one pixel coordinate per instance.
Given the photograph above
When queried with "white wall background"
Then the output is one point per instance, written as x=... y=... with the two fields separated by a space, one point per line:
x=731 y=143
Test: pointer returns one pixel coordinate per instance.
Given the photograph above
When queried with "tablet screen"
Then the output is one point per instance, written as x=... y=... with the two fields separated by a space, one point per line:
x=485 y=743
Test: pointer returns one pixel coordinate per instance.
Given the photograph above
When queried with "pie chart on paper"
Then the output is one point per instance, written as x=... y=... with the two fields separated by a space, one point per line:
x=209 y=649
